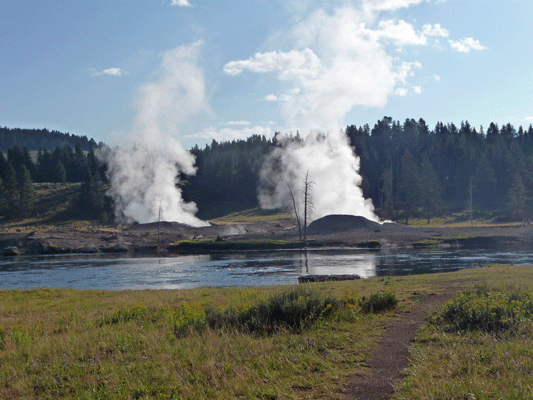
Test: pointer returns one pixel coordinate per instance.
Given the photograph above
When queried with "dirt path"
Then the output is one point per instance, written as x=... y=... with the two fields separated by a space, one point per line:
x=391 y=355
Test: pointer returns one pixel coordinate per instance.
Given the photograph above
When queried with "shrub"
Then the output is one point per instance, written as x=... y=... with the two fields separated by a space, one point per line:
x=19 y=335
x=294 y=309
x=188 y=317
x=134 y=313
x=378 y=302
x=487 y=310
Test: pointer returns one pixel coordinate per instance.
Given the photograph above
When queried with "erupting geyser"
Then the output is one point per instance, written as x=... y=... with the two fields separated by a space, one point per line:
x=333 y=168
x=144 y=171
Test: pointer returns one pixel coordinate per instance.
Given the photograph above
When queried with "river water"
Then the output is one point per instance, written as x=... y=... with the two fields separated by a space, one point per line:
x=235 y=269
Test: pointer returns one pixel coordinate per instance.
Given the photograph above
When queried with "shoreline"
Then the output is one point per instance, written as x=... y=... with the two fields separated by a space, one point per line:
x=172 y=238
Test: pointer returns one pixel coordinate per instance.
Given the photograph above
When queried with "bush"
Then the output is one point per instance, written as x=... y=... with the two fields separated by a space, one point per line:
x=378 y=302
x=487 y=310
x=294 y=309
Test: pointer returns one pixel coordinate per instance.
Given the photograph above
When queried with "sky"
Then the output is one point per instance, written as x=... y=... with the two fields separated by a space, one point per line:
x=227 y=69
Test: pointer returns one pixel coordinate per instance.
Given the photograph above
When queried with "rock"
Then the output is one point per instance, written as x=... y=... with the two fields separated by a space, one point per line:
x=11 y=251
x=110 y=237
x=117 y=248
x=87 y=250
x=55 y=249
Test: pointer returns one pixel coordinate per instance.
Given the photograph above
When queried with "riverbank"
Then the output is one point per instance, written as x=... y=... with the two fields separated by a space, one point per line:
x=167 y=238
x=129 y=344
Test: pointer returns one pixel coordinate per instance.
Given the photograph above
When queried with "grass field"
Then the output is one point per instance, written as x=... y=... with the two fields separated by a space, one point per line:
x=191 y=344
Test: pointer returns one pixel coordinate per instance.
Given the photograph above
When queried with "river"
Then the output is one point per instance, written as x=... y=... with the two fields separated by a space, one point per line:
x=235 y=269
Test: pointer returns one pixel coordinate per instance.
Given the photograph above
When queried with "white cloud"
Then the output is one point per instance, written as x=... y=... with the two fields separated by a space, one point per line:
x=465 y=45
x=271 y=97
x=417 y=89
x=401 y=33
x=293 y=63
x=401 y=92
x=434 y=30
x=238 y=123
x=228 y=134
x=387 y=5
x=529 y=118
x=109 y=71
x=437 y=78
x=181 y=3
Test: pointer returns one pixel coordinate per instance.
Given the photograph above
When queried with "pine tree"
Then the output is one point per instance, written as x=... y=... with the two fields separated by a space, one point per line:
x=27 y=192
x=431 y=192
x=12 y=191
x=59 y=174
x=411 y=188
x=517 y=199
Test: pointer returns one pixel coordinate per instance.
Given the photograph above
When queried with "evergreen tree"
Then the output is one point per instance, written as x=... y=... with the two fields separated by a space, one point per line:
x=517 y=199
x=12 y=191
x=59 y=174
x=27 y=192
x=92 y=199
x=3 y=197
x=387 y=192
x=431 y=189
x=411 y=188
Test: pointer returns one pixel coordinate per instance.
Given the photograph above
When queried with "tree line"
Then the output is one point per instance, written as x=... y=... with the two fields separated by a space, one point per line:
x=19 y=172
x=36 y=139
x=408 y=168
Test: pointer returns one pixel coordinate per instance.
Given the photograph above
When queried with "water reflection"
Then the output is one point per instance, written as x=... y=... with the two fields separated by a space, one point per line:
x=335 y=263
x=233 y=269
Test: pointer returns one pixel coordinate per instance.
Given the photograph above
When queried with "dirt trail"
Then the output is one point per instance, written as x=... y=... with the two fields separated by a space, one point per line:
x=390 y=357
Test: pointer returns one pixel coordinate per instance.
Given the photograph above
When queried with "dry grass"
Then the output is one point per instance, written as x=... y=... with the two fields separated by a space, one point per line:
x=252 y=215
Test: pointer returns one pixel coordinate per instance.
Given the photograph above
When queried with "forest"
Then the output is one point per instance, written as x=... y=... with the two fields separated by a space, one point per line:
x=409 y=170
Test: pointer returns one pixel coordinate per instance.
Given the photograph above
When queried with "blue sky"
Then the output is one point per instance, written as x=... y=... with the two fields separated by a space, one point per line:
x=228 y=69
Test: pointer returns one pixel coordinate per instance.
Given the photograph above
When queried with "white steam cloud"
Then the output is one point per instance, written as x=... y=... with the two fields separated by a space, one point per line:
x=333 y=170
x=144 y=175
x=336 y=61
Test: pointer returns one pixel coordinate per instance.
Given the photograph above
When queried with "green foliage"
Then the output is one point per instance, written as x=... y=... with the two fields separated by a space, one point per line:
x=19 y=335
x=294 y=309
x=490 y=310
x=134 y=313
x=378 y=302
x=26 y=192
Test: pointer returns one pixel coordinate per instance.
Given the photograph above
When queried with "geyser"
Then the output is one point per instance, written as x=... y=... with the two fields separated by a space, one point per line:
x=144 y=171
x=332 y=167
x=331 y=62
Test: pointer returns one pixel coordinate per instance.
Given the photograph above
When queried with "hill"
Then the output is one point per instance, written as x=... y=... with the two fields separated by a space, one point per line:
x=37 y=139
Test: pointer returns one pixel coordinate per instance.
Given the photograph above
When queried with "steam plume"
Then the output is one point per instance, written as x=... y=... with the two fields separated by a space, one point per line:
x=144 y=172
x=332 y=167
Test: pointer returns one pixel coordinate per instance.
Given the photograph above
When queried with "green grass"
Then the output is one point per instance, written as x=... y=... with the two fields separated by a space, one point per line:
x=272 y=342
x=479 y=346
x=202 y=343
